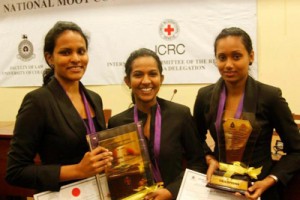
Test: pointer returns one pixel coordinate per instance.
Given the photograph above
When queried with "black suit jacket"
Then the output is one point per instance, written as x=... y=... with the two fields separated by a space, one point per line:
x=179 y=141
x=48 y=124
x=270 y=111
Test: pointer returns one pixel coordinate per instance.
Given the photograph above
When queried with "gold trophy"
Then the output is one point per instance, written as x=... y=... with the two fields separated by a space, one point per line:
x=235 y=149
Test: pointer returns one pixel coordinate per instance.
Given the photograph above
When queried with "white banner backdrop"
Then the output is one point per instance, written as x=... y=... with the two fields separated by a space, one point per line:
x=182 y=32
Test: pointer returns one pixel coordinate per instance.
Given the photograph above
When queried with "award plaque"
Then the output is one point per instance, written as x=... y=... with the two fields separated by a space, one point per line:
x=130 y=174
x=236 y=142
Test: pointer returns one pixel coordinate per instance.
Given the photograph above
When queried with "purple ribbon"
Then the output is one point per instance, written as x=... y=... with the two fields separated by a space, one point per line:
x=90 y=127
x=157 y=136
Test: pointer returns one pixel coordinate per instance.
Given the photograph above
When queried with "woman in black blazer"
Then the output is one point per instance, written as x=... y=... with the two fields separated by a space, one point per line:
x=237 y=92
x=167 y=121
x=53 y=120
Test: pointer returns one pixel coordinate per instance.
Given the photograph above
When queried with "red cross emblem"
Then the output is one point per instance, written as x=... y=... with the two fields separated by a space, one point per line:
x=169 y=29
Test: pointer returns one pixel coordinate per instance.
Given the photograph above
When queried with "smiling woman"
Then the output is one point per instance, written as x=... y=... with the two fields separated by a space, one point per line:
x=145 y=80
x=69 y=57
x=53 y=120
x=168 y=127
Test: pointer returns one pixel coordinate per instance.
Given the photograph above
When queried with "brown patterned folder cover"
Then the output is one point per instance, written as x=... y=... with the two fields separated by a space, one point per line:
x=131 y=169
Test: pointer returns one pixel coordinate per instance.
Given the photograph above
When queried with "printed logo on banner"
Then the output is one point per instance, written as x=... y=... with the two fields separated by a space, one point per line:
x=25 y=49
x=169 y=29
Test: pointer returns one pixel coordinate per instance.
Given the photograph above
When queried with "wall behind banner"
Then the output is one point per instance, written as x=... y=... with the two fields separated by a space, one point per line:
x=277 y=52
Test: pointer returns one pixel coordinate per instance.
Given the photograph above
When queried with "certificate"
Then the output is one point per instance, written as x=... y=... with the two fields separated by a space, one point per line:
x=85 y=189
x=193 y=187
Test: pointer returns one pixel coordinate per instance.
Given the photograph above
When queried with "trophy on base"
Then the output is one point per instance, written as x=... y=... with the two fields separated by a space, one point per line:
x=236 y=144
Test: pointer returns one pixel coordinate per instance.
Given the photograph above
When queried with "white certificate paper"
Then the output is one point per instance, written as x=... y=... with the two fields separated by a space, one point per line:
x=86 y=189
x=193 y=187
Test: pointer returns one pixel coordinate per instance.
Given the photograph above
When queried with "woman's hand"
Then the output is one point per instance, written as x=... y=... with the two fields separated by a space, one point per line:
x=91 y=164
x=160 y=194
x=95 y=162
x=213 y=165
x=256 y=190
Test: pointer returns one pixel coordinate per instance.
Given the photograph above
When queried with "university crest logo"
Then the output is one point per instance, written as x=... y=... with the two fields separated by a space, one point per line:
x=25 y=49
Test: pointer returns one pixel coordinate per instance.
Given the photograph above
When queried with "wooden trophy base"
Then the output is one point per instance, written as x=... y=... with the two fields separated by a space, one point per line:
x=236 y=183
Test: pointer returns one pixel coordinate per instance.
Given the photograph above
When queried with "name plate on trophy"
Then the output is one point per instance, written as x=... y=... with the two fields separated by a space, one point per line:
x=234 y=175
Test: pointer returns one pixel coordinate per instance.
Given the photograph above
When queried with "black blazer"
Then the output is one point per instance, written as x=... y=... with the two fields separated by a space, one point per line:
x=179 y=141
x=270 y=111
x=49 y=125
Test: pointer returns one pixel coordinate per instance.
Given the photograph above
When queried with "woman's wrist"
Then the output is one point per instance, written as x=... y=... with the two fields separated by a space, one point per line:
x=70 y=172
x=210 y=158
x=274 y=177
